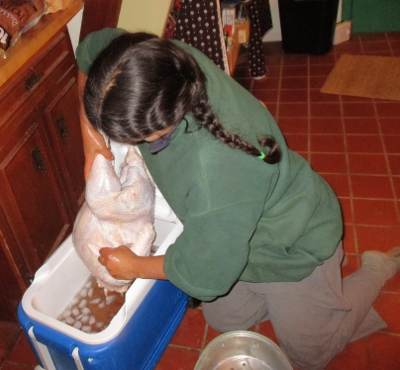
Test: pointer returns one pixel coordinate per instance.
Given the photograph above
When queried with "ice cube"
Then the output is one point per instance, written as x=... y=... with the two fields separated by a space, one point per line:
x=82 y=303
x=77 y=324
x=66 y=313
x=86 y=311
x=110 y=299
x=69 y=320
x=87 y=328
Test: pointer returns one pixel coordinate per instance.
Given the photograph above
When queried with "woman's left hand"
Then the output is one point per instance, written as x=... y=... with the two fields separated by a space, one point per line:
x=119 y=262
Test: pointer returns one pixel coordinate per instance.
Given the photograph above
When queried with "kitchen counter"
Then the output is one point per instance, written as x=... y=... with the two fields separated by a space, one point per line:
x=33 y=40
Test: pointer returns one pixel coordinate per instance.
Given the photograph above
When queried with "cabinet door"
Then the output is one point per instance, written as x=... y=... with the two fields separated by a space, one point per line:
x=15 y=276
x=30 y=190
x=62 y=120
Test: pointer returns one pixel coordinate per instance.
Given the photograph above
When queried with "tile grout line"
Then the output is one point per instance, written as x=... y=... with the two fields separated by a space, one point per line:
x=278 y=98
x=184 y=347
x=390 y=44
x=204 y=339
x=390 y=175
x=385 y=153
x=348 y=173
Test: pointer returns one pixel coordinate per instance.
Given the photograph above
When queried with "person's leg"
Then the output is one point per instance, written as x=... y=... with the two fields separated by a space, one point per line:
x=239 y=310
x=383 y=265
x=307 y=315
x=313 y=319
x=316 y=318
x=377 y=267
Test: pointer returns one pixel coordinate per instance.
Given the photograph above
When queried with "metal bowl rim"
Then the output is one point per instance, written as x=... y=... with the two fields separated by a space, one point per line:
x=242 y=334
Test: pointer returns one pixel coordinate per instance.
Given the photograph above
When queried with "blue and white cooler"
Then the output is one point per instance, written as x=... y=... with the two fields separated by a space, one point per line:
x=137 y=335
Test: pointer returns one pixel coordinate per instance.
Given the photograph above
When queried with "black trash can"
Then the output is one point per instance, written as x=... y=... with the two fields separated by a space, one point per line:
x=307 y=26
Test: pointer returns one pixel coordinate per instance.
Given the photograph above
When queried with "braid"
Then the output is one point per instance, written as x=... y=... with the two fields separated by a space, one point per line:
x=204 y=115
x=275 y=153
x=212 y=124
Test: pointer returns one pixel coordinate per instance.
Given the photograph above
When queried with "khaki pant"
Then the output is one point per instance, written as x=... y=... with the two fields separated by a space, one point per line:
x=313 y=319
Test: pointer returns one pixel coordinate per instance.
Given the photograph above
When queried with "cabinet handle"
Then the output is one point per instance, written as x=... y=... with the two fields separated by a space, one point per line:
x=32 y=80
x=62 y=127
x=38 y=159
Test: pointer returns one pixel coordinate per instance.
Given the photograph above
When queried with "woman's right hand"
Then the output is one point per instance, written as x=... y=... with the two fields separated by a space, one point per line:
x=93 y=141
x=93 y=144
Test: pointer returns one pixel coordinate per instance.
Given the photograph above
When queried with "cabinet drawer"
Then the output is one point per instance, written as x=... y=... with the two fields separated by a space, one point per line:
x=56 y=52
x=22 y=87
x=14 y=95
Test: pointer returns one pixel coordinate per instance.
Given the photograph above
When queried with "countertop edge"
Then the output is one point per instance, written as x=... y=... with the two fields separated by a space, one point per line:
x=31 y=41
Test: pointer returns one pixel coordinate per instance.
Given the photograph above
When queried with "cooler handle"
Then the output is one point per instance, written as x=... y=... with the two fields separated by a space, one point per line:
x=42 y=351
x=77 y=359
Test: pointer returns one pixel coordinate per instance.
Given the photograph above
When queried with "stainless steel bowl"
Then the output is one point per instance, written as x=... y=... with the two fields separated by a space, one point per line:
x=242 y=350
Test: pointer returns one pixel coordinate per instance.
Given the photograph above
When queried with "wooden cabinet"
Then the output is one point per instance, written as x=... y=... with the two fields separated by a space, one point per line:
x=41 y=164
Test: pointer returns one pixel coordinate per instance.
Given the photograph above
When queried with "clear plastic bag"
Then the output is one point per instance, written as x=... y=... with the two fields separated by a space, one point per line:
x=54 y=6
x=17 y=17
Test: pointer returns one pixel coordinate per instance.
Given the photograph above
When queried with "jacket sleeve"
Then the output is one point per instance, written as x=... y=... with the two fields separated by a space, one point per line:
x=209 y=256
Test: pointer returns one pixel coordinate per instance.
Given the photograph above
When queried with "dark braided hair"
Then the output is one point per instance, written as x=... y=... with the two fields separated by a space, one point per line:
x=141 y=84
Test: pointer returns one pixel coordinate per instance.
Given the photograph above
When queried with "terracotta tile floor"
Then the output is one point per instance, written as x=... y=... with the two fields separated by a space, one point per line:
x=354 y=143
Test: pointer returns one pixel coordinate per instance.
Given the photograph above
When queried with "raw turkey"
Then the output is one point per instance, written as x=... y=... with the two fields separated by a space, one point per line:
x=117 y=211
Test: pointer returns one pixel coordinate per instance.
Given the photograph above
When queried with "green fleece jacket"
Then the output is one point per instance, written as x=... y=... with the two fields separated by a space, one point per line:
x=243 y=219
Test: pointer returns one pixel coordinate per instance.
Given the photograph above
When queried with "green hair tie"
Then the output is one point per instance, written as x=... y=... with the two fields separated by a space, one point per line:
x=262 y=156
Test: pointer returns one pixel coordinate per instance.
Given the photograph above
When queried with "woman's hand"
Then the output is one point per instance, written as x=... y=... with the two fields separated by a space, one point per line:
x=93 y=141
x=119 y=262
x=124 y=264
x=93 y=144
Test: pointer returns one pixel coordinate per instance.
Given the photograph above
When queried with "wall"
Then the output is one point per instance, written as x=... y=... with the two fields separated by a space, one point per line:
x=136 y=15
x=373 y=15
x=74 y=28
x=144 y=15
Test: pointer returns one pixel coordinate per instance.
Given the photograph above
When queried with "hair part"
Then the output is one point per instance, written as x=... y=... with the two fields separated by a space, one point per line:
x=141 y=84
